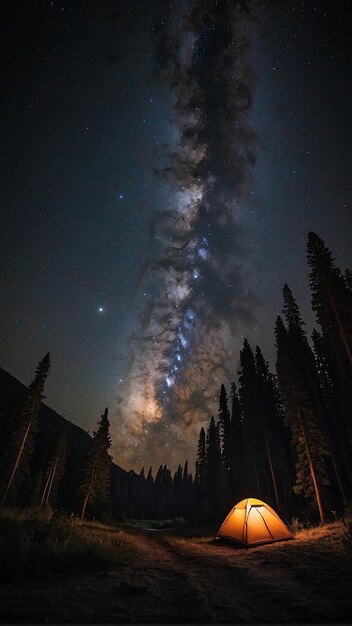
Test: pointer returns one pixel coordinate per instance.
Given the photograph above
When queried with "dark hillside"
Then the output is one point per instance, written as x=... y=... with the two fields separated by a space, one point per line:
x=51 y=425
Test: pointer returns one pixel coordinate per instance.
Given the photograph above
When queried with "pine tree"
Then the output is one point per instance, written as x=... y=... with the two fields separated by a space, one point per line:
x=24 y=425
x=303 y=352
x=187 y=492
x=348 y=279
x=200 y=460
x=278 y=465
x=54 y=472
x=177 y=490
x=224 y=428
x=185 y=473
x=335 y=428
x=332 y=302
x=269 y=418
x=236 y=446
x=177 y=480
x=253 y=433
x=213 y=461
x=96 y=481
x=331 y=297
x=215 y=478
x=307 y=436
x=149 y=491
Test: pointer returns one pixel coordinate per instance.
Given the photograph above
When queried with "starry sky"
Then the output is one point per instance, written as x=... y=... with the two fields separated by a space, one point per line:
x=162 y=164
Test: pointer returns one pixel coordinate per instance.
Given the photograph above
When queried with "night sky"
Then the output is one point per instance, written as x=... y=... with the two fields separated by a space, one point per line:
x=162 y=164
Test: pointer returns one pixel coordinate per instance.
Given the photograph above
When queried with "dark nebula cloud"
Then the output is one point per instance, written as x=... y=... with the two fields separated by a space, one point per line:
x=197 y=244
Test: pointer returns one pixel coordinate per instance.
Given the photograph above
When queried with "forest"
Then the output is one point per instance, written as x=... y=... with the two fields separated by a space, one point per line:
x=284 y=436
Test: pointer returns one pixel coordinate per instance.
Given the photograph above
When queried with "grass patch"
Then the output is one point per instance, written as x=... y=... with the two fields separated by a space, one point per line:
x=35 y=542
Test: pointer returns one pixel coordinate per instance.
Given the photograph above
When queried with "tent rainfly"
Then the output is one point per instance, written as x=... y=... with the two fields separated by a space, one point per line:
x=252 y=522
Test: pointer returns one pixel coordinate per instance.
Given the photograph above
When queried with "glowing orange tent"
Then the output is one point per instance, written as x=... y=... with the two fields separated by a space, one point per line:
x=252 y=522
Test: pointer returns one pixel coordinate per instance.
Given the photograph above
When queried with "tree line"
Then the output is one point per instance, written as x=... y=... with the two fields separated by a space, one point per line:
x=284 y=437
x=288 y=435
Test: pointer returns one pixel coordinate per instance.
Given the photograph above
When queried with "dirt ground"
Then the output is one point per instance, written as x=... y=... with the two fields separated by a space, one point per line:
x=172 y=578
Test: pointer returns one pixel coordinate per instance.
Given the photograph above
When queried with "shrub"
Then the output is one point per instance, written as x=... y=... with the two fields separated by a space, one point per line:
x=296 y=525
x=43 y=541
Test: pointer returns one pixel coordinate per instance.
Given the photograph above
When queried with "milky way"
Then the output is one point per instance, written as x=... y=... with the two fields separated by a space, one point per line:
x=195 y=304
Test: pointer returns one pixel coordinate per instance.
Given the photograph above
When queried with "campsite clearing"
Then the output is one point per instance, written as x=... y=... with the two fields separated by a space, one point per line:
x=178 y=578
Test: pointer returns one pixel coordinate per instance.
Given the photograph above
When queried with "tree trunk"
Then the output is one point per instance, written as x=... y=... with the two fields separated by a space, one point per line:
x=17 y=462
x=85 y=502
x=312 y=471
x=337 y=473
x=272 y=472
x=284 y=487
x=50 y=486
x=86 y=499
x=42 y=501
x=338 y=320
x=310 y=461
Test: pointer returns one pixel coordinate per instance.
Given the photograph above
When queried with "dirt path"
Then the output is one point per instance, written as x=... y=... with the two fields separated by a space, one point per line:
x=193 y=580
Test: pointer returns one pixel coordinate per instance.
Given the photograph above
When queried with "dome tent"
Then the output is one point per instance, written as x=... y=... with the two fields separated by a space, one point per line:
x=252 y=522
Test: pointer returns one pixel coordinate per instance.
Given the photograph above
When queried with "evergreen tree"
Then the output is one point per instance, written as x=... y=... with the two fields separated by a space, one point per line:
x=54 y=472
x=253 y=432
x=224 y=428
x=96 y=481
x=331 y=297
x=23 y=427
x=149 y=491
x=307 y=437
x=185 y=473
x=177 y=480
x=215 y=492
x=323 y=369
x=213 y=459
x=335 y=429
x=269 y=419
x=332 y=302
x=236 y=446
x=279 y=463
x=201 y=458
x=159 y=475
x=348 y=279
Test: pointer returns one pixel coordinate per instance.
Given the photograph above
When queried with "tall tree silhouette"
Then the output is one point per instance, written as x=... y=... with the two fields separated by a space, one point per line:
x=214 y=476
x=201 y=459
x=96 y=480
x=54 y=471
x=224 y=428
x=236 y=446
x=253 y=435
x=23 y=427
x=273 y=428
x=332 y=299
x=348 y=279
x=337 y=439
x=332 y=302
x=298 y=399
x=213 y=453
